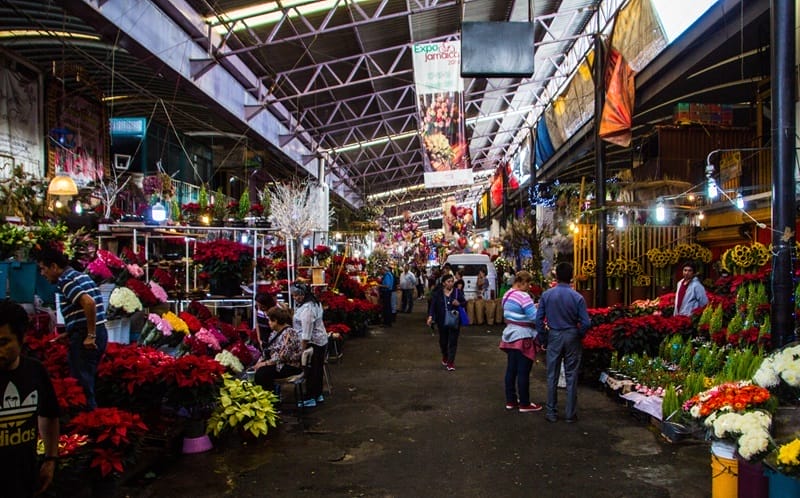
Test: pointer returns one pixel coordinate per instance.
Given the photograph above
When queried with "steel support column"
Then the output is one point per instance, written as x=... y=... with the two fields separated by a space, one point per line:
x=600 y=170
x=784 y=205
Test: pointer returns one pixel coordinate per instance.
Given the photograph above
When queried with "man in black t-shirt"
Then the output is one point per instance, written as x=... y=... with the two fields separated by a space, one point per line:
x=28 y=403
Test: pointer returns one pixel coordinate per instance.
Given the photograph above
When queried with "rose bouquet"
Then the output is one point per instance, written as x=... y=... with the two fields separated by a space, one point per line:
x=123 y=302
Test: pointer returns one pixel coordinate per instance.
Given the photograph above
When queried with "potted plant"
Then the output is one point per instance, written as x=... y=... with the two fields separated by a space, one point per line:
x=264 y=209
x=244 y=407
x=225 y=261
x=219 y=210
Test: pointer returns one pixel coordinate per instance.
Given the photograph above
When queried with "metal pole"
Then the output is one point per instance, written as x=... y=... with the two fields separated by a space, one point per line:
x=600 y=171
x=784 y=204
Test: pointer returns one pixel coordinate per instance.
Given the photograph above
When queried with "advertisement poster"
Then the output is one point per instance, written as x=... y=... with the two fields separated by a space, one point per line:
x=440 y=102
x=20 y=130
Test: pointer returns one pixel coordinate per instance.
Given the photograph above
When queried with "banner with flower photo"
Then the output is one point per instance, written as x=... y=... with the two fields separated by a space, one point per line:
x=440 y=102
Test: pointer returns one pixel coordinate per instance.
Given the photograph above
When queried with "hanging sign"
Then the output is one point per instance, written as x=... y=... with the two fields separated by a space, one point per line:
x=440 y=103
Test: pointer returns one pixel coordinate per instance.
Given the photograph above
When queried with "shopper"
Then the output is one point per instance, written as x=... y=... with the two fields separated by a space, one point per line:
x=308 y=323
x=482 y=285
x=518 y=343
x=446 y=300
x=385 y=289
x=29 y=404
x=84 y=315
x=421 y=279
x=264 y=301
x=407 y=284
x=567 y=322
x=281 y=350
x=690 y=293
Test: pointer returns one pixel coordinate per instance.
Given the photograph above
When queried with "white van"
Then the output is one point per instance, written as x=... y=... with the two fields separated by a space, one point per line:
x=469 y=265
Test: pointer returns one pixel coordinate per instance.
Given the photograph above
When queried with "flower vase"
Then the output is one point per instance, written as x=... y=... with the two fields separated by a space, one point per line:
x=195 y=439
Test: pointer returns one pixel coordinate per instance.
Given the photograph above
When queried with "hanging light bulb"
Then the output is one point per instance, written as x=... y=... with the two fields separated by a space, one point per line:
x=691 y=197
x=701 y=216
x=620 y=220
x=712 y=189
x=739 y=201
x=661 y=213
x=78 y=208
x=158 y=212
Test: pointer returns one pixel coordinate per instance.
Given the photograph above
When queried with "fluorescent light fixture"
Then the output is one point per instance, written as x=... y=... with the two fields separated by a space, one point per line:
x=370 y=143
x=114 y=98
x=32 y=33
x=271 y=13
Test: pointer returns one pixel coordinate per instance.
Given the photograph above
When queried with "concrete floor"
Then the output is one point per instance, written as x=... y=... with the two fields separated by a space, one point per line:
x=398 y=425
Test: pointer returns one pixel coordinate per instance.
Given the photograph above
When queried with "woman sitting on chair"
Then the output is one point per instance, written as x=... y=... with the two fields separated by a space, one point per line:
x=282 y=350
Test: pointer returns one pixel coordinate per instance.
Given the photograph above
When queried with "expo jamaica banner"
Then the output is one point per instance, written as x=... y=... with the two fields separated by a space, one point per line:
x=440 y=102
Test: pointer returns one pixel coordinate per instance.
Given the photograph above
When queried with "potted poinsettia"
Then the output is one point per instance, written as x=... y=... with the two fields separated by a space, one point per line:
x=226 y=262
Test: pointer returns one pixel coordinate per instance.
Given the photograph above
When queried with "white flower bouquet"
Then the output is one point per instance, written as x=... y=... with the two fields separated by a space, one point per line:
x=783 y=365
x=752 y=429
x=123 y=302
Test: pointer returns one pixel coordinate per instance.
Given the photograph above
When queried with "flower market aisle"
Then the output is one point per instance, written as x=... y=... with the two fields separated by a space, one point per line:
x=397 y=424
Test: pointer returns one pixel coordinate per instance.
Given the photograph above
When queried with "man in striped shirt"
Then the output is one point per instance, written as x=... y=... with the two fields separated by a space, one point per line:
x=84 y=316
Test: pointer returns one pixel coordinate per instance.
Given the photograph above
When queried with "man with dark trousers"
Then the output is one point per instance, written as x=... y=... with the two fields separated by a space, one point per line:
x=564 y=309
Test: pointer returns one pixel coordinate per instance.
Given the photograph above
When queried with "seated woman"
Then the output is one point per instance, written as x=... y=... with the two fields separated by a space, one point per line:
x=282 y=350
x=264 y=302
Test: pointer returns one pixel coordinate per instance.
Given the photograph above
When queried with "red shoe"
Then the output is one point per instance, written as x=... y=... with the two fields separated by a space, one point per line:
x=450 y=367
x=444 y=361
x=512 y=406
x=533 y=407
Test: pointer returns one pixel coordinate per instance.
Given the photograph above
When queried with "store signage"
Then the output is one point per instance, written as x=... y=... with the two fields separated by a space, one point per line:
x=128 y=127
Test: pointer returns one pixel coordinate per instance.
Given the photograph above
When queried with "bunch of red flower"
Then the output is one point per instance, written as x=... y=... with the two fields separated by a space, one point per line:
x=599 y=337
x=278 y=251
x=69 y=393
x=165 y=279
x=132 y=367
x=114 y=433
x=736 y=396
x=322 y=251
x=142 y=291
x=337 y=328
x=192 y=321
x=221 y=250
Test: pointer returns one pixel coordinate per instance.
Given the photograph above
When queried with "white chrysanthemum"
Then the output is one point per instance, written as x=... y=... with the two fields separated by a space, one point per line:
x=694 y=411
x=752 y=443
x=766 y=376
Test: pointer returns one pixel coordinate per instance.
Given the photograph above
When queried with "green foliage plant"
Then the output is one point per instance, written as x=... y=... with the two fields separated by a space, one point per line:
x=243 y=406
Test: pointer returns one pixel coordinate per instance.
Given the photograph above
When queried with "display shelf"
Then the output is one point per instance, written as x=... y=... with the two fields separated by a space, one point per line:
x=144 y=238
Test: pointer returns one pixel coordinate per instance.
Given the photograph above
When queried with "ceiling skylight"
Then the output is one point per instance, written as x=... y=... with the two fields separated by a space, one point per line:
x=677 y=15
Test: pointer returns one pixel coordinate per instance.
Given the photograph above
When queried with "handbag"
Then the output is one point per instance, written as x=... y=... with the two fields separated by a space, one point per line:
x=451 y=317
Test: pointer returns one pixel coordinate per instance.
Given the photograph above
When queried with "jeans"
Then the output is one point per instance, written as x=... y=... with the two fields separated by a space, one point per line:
x=386 y=306
x=408 y=300
x=83 y=361
x=518 y=372
x=448 y=342
x=563 y=345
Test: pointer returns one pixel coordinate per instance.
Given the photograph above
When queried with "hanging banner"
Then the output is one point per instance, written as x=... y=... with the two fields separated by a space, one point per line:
x=20 y=129
x=440 y=103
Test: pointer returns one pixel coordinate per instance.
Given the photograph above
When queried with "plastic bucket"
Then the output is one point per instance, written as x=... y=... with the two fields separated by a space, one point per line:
x=781 y=485
x=752 y=481
x=724 y=477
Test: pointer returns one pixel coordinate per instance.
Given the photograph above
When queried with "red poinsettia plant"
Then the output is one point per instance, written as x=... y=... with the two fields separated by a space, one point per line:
x=193 y=383
x=114 y=433
x=223 y=256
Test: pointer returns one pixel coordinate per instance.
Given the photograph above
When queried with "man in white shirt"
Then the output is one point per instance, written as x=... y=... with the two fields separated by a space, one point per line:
x=407 y=283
